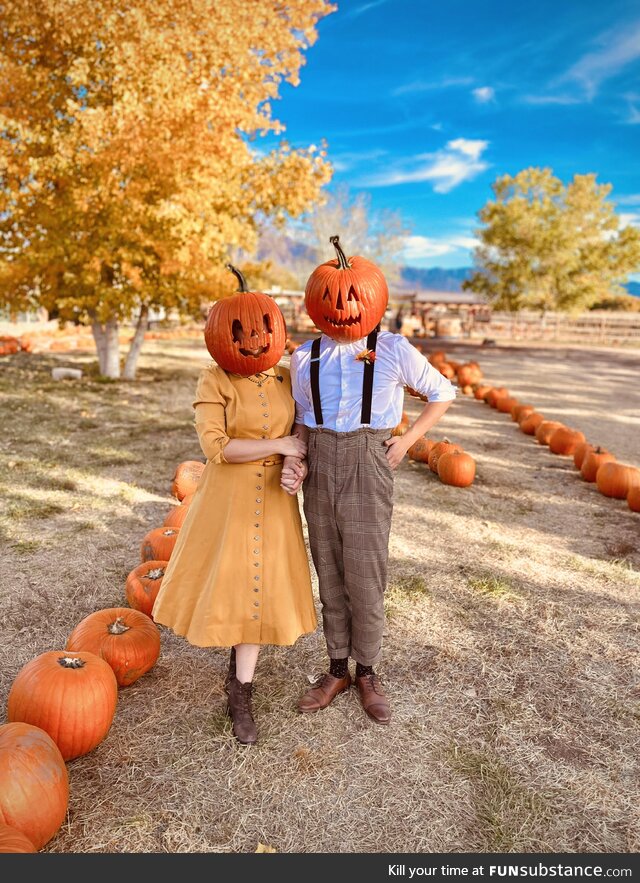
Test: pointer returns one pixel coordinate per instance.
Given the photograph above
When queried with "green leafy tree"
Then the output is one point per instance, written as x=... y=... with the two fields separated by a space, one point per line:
x=549 y=246
x=127 y=168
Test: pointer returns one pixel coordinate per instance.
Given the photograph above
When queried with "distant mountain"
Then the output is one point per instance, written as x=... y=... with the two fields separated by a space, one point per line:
x=441 y=279
x=434 y=278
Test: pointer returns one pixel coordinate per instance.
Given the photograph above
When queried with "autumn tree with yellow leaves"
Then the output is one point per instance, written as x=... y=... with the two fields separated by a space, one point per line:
x=550 y=246
x=128 y=158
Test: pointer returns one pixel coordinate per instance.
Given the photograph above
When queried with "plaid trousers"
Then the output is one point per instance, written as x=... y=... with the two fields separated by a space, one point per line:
x=348 y=504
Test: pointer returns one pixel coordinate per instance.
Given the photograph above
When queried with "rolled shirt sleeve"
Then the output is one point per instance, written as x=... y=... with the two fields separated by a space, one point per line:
x=210 y=420
x=417 y=372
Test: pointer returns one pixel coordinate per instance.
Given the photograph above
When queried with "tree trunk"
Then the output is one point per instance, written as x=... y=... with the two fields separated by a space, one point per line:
x=131 y=362
x=106 y=338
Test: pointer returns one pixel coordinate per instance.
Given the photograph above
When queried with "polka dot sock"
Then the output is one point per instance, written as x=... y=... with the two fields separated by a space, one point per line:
x=339 y=667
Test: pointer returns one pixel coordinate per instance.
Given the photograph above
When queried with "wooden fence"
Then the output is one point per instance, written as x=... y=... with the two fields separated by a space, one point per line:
x=595 y=327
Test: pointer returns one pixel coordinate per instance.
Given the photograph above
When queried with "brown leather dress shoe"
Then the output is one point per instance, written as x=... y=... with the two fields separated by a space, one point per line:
x=240 y=711
x=373 y=699
x=323 y=692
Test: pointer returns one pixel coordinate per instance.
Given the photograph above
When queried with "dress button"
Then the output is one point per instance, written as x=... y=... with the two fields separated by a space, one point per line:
x=258 y=499
x=256 y=551
x=257 y=512
x=259 y=474
x=265 y=415
x=255 y=616
x=256 y=603
x=256 y=578
x=256 y=590
x=256 y=564
x=263 y=436
x=256 y=538
x=256 y=525
x=265 y=427
x=258 y=487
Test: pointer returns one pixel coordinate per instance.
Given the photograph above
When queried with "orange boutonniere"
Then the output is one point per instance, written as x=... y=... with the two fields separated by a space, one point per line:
x=366 y=356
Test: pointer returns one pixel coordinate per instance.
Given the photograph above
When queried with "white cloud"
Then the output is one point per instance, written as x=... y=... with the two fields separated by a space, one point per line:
x=431 y=85
x=633 y=117
x=618 y=49
x=551 y=99
x=630 y=199
x=484 y=94
x=420 y=247
x=629 y=219
x=457 y=162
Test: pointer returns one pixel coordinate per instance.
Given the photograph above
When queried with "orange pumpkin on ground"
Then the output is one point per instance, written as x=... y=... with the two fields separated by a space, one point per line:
x=176 y=515
x=592 y=461
x=504 y=404
x=545 y=430
x=72 y=696
x=530 y=423
x=457 y=468
x=616 y=479
x=159 y=543
x=581 y=451
x=633 y=498
x=468 y=374
x=143 y=585
x=446 y=370
x=127 y=639
x=519 y=412
x=420 y=450
x=402 y=427
x=12 y=840
x=34 y=783
x=440 y=448
x=564 y=440
x=185 y=478
x=494 y=394
x=481 y=391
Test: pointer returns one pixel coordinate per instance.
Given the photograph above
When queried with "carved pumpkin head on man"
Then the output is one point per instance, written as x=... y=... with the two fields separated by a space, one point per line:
x=245 y=333
x=346 y=297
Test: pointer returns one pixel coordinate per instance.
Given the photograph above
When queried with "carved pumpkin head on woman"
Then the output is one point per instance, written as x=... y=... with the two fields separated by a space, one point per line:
x=245 y=333
x=346 y=297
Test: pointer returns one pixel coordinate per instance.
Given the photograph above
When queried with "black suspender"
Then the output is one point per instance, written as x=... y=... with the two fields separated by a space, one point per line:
x=315 y=380
x=367 y=380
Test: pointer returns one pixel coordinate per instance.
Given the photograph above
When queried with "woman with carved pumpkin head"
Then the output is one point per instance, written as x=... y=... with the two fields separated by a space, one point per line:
x=239 y=574
x=349 y=390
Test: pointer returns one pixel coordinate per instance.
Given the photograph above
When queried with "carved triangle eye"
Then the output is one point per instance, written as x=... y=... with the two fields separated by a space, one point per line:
x=353 y=294
x=326 y=295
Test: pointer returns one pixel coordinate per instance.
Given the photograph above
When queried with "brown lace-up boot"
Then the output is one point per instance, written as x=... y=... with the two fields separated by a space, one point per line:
x=240 y=710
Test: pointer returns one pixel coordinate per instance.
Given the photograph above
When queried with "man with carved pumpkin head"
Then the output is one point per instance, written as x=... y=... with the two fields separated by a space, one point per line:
x=349 y=390
x=239 y=573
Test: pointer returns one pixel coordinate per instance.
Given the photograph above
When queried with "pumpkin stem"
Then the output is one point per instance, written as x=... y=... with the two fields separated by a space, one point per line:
x=244 y=288
x=118 y=627
x=71 y=662
x=156 y=573
x=343 y=263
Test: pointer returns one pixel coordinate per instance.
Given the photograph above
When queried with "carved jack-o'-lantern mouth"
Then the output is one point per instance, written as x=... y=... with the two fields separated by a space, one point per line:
x=255 y=353
x=343 y=323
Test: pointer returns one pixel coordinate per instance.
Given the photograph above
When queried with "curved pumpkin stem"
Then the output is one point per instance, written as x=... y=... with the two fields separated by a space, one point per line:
x=244 y=288
x=343 y=263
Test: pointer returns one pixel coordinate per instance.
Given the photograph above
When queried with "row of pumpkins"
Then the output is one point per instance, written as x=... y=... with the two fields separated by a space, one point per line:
x=449 y=461
x=62 y=703
x=596 y=464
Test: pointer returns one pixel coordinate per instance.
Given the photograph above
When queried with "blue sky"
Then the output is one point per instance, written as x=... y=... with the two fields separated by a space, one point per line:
x=424 y=104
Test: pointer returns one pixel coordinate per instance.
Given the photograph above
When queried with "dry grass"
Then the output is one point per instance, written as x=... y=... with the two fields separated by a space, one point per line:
x=510 y=656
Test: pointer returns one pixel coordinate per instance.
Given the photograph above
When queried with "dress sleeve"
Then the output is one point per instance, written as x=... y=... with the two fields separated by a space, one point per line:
x=210 y=419
x=417 y=372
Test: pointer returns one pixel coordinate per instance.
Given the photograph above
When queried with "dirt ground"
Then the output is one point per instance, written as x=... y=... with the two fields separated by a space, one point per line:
x=511 y=653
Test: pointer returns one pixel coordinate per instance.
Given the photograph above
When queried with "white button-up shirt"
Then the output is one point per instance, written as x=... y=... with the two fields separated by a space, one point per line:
x=397 y=364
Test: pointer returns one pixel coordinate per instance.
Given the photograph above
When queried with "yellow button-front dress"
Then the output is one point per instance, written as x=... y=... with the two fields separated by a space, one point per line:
x=239 y=572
